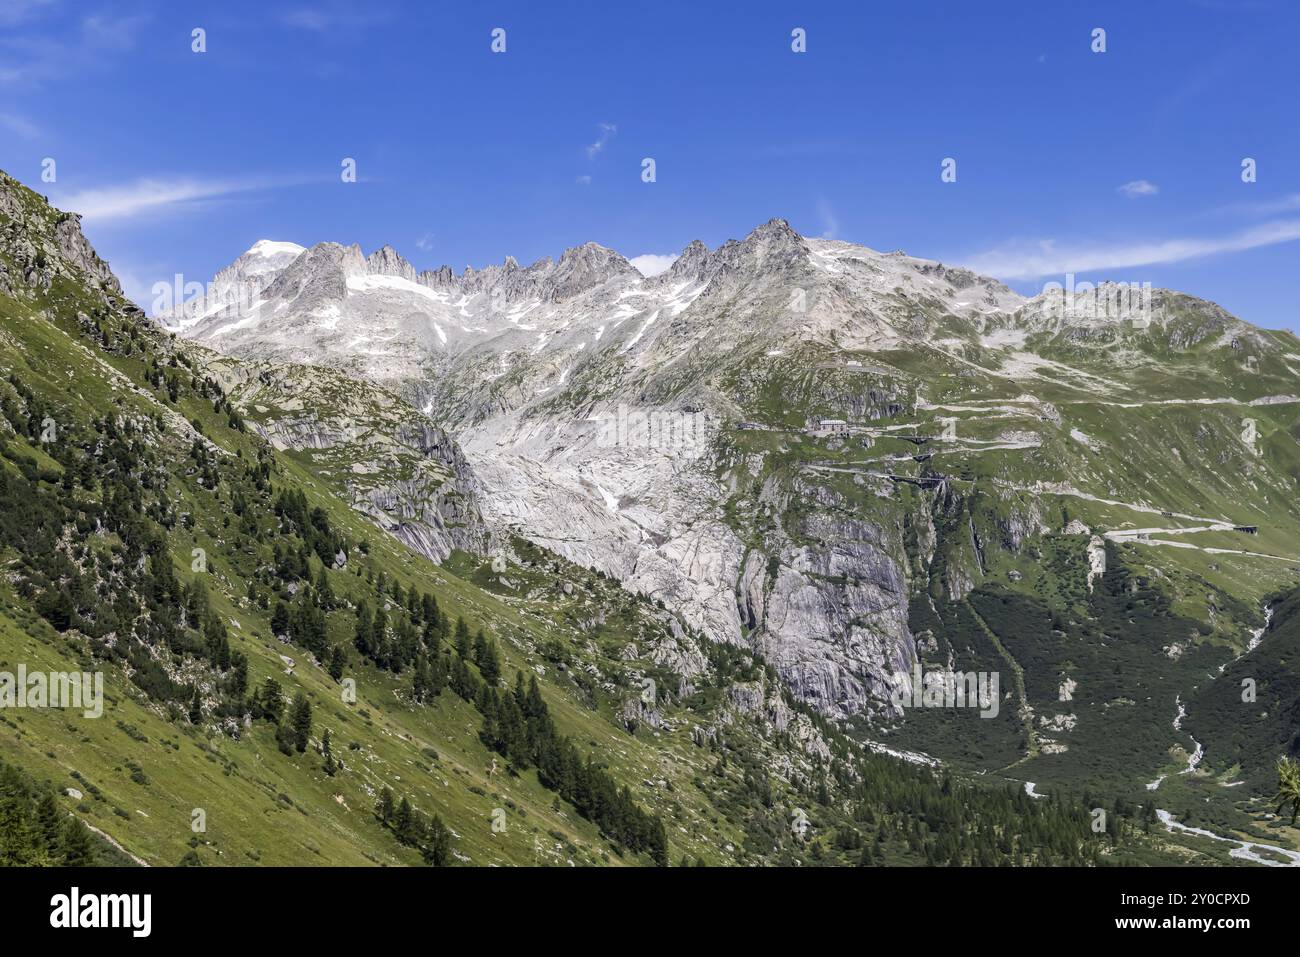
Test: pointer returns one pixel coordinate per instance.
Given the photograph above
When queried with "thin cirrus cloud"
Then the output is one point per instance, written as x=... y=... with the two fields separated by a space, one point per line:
x=830 y=222
x=31 y=55
x=331 y=17
x=1269 y=207
x=19 y=125
x=607 y=132
x=1048 y=258
x=1139 y=187
x=149 y=197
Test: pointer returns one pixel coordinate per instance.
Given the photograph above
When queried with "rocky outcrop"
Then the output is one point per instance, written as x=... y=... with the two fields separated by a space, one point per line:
x=39 y=244
x=835 y=617
x=766 y=703
x=405 y=474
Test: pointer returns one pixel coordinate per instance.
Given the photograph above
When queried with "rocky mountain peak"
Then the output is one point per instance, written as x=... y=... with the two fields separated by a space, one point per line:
x=263 y=257
x=775 y=228
x=241 y=281
x=387 y=261
x=775 y=238
x=691 y=264
x=770 y=248
x=271 y=248
x=320 y=271
x=439 y=278
x=585 y=266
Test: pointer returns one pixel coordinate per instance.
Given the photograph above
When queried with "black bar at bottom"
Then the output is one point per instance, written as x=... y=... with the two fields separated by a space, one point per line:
x=336 y=905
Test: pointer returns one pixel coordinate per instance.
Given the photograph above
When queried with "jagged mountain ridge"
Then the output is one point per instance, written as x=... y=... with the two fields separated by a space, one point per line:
x=377 y=316
x=527 y=367
x=310 y=293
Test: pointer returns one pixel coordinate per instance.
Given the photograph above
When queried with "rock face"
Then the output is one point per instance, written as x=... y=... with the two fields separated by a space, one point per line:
x=825 y=593
x=761 y=700
x=33 y=262
x=1096 y=559
x=387 y=261
x=658 y=428
x=393 y=465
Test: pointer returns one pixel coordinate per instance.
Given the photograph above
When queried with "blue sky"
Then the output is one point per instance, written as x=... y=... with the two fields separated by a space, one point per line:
x=182 y=160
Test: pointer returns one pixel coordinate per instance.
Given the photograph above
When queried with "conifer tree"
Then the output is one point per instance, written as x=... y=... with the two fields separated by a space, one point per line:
x=404 y=822
x=324 y=593
x=420 y=685
x=280 y=619
x=330 y=766
x=437 y=844
x=379 y=637
x=271 y=700
x=463 y=644
x=384 y=806
x=364 y=630
x=75 y=844
x=488 y=660
x=49 y=821
x=301 y=721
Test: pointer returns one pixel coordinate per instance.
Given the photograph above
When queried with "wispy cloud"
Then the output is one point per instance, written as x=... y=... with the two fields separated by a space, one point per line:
x=607 y=133
x=111 y=33
x=424 y=243
x=19 y=125
x=334 y=16
x=1047 y=258
x=583 y=180
x=148 y=197
x=652 y=264
x=1267 y=207
x=31 y=58
x=830 y=222
x=1139 y=187
x=13 y=12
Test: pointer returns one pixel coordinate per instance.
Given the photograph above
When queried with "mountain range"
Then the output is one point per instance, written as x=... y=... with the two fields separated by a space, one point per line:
x=1044 y=402
x=636 y=564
